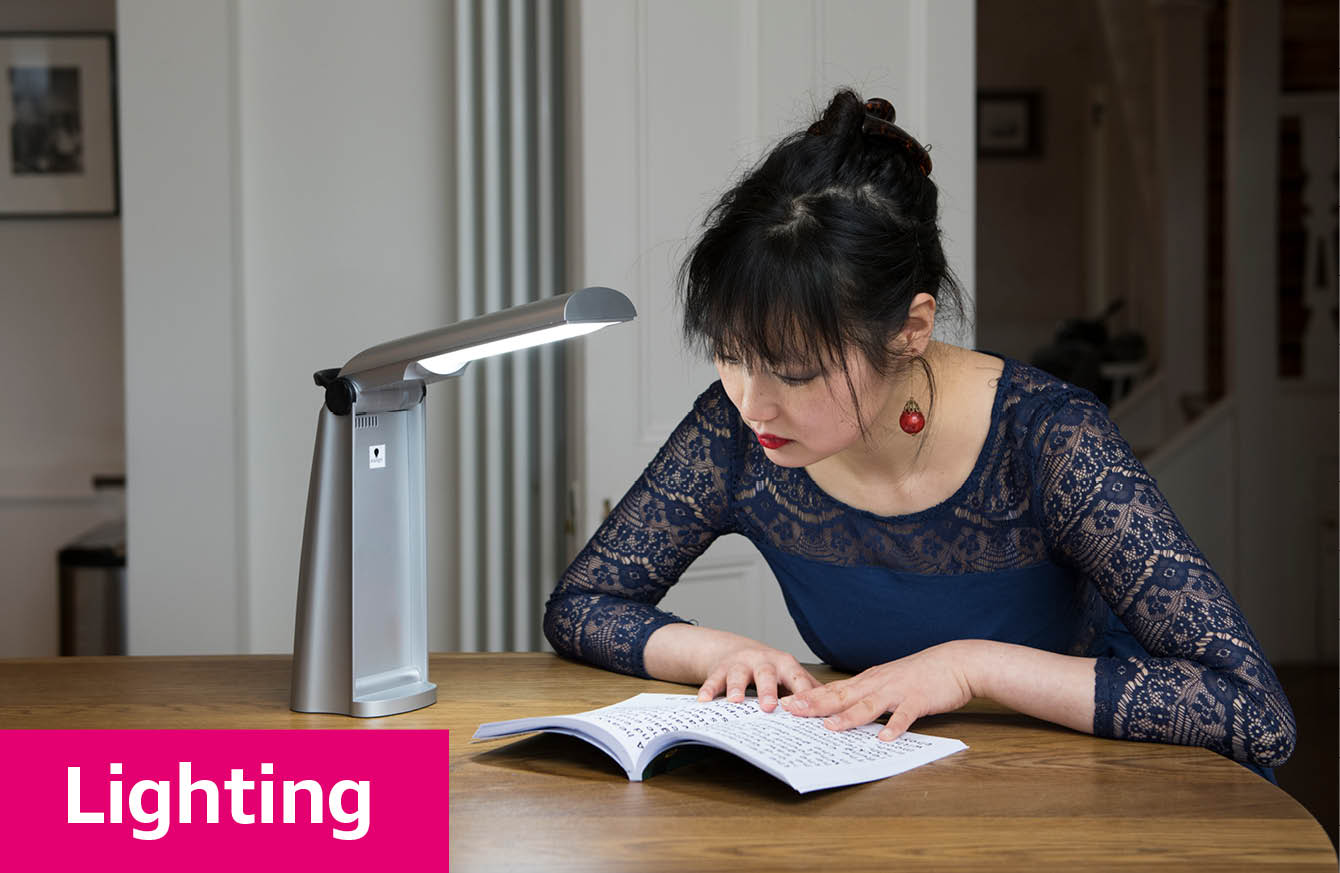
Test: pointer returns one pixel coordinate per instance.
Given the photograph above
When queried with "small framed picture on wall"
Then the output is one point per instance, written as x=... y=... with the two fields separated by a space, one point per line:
x=1009 y=124
x=58 y=114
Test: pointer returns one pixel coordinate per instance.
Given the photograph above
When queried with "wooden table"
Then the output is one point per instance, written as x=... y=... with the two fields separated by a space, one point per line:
x=1026 y=795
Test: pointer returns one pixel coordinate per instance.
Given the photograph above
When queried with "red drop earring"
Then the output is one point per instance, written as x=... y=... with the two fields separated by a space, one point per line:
x=912 y=421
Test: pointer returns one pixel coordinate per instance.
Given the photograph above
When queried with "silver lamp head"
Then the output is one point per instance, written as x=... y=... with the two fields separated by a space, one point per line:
x=439 y=354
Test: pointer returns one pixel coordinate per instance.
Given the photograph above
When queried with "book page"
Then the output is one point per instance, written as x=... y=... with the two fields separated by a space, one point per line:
x=641 y=719
x=804 y=753
x=625 y=728
x=798 y=750
x=571 y=725
x=789 y=741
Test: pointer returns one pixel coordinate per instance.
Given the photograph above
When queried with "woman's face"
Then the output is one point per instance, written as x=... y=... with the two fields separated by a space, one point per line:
x=801 y=416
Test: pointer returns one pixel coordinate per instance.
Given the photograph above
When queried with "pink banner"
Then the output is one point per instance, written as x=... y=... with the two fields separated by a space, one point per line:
x=225 y=800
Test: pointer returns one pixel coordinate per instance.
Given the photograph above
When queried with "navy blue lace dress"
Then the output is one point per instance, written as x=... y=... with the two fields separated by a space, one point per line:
x=1058 y=539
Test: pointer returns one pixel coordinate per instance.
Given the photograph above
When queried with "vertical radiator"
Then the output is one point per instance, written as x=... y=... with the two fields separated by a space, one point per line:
x=506 y=510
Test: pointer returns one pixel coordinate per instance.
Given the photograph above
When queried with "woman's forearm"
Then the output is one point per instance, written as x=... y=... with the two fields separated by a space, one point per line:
x=1057 y=688
x=686 y=652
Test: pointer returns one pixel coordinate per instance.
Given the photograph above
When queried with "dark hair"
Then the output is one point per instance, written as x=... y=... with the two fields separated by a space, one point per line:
x=820 y=247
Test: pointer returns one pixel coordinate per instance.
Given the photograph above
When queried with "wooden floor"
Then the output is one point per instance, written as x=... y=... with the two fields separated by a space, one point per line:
x=1310 y=775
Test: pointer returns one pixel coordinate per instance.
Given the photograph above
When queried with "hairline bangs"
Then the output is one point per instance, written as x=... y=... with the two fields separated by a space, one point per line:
x=768 y=310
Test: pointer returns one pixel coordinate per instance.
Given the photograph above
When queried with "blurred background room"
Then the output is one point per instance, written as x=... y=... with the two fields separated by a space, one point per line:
x=205 y=202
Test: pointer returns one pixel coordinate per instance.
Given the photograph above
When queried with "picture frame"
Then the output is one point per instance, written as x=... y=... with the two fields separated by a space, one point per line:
x=58 y=152
x=1009 y=124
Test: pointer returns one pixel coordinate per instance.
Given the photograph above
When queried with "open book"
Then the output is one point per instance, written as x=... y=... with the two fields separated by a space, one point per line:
x=799 y=751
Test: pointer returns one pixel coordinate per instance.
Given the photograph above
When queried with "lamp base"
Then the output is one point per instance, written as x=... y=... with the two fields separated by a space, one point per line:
x=389 y=702
x=392 y=701
x=395 y=700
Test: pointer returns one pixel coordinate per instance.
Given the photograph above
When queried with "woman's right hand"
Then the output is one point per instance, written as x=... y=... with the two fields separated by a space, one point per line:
x=762 y=665
x=685 y=653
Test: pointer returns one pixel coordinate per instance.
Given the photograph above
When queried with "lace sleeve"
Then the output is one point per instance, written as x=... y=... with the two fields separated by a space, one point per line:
x=1208 y=682
x=603 y=608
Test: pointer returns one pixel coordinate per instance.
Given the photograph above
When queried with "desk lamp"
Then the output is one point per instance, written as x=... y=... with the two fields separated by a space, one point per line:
x=360 y=644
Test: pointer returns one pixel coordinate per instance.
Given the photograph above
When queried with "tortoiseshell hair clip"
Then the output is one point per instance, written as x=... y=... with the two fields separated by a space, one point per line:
x=879 y=116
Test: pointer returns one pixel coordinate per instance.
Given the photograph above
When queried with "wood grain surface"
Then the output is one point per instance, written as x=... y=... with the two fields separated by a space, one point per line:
x=1026 y=795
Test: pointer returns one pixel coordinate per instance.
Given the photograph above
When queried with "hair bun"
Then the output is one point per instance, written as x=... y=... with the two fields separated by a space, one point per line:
x=843 y=116
x=849 y=117
x=882 y=109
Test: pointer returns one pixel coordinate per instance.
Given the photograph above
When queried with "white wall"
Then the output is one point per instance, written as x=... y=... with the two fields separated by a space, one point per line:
x=182 y=351
x=60 y=348
x=286 y=188
x=61 y=351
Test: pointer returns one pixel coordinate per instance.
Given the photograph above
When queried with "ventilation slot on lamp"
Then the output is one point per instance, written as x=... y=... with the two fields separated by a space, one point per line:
x=361 y=421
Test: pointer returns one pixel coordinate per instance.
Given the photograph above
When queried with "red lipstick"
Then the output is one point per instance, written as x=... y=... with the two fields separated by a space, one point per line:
x=768 y=441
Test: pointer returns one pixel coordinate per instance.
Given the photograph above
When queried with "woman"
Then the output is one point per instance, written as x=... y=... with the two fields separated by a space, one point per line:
x=944 y=523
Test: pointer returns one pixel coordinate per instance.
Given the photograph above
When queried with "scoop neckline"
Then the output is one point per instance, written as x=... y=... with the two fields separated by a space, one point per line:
x=1006 y=375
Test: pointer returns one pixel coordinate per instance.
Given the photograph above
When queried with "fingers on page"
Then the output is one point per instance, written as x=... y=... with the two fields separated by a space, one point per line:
x=898 y=723
x=826 y=699
x=859 y=713
x=712 y=687
x=736 y=682
x=765 y=682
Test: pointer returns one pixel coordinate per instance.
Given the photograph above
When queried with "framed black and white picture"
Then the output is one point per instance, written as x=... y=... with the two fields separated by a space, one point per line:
x=58 y=113
x=1009 y=124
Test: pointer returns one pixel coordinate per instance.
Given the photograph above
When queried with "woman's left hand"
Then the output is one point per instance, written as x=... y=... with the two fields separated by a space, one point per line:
x=927 y=683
